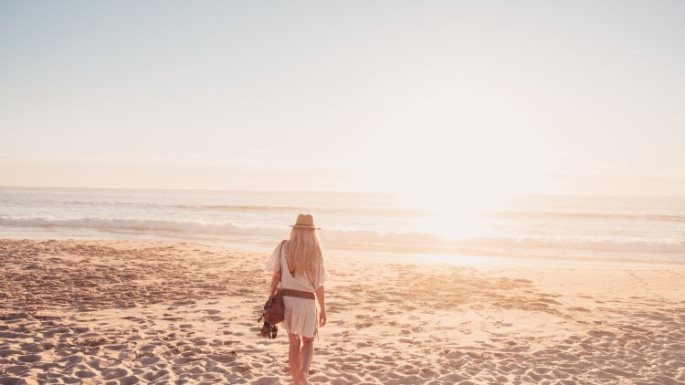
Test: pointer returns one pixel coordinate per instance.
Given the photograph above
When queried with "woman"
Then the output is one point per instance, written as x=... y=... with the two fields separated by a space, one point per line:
x=301 y=276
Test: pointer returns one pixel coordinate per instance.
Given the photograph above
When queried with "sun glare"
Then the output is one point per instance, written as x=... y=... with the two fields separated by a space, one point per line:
x=453 y=214
x=455 y=184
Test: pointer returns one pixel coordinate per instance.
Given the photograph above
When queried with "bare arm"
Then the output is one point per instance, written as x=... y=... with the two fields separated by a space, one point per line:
x=275 y=279
x=322 y=305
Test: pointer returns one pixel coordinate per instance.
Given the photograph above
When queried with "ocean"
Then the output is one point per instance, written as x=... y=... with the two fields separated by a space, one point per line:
x=643 y=228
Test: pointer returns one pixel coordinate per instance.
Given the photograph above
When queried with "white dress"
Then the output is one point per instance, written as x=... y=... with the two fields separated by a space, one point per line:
x=300 y=313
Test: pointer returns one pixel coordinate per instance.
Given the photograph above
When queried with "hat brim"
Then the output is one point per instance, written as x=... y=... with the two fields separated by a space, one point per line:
x=305 y=227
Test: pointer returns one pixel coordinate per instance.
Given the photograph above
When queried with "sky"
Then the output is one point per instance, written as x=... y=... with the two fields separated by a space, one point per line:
x=458 y=97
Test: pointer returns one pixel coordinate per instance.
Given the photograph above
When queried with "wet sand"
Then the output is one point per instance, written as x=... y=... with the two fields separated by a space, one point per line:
x=133 y=312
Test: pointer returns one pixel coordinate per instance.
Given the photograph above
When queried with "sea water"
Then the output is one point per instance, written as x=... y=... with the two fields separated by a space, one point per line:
x=649 y=228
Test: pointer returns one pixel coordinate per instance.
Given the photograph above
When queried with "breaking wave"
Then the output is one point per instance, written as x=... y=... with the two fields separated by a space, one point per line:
x=412 y=242
x=589 y=215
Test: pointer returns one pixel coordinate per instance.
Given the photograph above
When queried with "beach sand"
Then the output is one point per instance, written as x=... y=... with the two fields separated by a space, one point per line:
x=128 y=312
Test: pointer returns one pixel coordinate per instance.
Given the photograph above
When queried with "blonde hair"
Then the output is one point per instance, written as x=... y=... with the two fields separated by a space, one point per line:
x=303 y=252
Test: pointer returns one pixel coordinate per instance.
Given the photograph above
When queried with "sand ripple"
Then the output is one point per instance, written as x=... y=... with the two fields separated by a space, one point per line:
x=125 y=312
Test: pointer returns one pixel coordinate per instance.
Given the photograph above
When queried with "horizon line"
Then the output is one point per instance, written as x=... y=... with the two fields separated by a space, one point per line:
x=319 y=191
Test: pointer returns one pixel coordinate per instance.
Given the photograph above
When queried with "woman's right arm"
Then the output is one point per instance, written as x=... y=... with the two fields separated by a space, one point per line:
x=275 y=279
x=274 y=266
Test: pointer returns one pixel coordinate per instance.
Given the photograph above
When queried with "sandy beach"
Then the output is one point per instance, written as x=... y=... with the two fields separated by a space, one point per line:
x=130 y=312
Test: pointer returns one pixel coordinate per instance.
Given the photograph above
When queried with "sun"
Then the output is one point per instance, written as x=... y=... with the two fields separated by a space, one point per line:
x=453 y=214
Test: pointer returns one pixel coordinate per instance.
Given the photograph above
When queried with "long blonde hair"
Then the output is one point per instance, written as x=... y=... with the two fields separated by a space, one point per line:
x=303 y=252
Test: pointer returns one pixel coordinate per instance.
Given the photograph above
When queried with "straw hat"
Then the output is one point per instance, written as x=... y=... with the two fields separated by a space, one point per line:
x=305 y=221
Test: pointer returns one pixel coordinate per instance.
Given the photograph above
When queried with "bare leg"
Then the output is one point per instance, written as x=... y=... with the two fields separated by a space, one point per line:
x=294 y=358
x=306 y=355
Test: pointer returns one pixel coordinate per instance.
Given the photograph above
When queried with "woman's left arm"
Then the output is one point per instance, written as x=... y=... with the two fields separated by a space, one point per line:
x=322 y=305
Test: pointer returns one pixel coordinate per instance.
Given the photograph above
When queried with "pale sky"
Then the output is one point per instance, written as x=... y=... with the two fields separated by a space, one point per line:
x=525 y=96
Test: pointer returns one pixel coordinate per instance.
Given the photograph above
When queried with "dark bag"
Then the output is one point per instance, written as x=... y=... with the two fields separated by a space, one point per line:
x=269 y=328
x=274 y=310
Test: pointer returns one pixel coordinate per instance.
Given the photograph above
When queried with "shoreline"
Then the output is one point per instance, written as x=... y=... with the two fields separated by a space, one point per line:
x=478 y=259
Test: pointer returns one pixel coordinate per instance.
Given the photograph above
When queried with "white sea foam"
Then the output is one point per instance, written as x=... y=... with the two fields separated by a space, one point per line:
x=412 y=242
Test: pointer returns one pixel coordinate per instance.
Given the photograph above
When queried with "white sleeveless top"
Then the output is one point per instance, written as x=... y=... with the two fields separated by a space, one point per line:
x=299 y=281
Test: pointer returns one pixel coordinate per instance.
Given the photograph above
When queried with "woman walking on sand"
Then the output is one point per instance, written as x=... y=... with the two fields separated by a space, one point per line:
x=301 y=281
